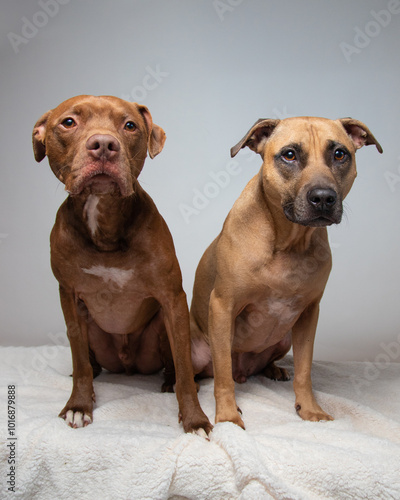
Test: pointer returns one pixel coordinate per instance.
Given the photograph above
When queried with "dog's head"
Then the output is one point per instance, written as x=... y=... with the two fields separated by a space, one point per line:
x=308 y=164
x=97 y=144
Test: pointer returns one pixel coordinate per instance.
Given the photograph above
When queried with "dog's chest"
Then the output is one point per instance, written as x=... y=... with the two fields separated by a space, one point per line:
x=280 y=293
x=265 y=321
x=290 y=275
x=282 y=309
x=114 y=299
x=113 y=277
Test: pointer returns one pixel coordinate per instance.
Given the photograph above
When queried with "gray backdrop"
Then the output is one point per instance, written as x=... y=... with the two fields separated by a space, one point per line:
x=207 y=70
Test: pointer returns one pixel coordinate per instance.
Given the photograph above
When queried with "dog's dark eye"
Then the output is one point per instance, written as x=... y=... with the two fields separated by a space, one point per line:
x=289 y=155
x=68 y=123
x=130 y=126
x=339 y=155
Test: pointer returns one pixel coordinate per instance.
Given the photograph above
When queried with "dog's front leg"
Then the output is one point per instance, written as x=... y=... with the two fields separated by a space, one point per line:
x=220 y=325
x=78 y=412
x=303 y=334
x=176 y=317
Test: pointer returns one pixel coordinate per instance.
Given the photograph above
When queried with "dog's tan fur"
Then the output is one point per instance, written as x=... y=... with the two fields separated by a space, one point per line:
x=258 y=285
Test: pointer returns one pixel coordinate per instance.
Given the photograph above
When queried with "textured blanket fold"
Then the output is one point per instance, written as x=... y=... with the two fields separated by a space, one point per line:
x=135 y=449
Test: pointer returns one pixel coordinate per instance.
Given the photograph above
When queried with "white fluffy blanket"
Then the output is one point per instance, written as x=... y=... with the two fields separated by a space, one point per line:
x=136 y=450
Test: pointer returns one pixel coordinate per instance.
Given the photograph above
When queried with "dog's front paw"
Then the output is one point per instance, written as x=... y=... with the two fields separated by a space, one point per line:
x=234 y=417
x=167 y=387
x=78 y=412
x=197 y=423
x=77 y=419
x=314 y=414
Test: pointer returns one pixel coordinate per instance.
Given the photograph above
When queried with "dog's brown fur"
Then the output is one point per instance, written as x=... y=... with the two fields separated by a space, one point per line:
x=112 y=253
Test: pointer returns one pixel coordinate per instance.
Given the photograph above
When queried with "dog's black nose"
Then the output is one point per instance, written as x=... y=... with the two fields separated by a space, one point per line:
x=322 y=198
x=103 y=146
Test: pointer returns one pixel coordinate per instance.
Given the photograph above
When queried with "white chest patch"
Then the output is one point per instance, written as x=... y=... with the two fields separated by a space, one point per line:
x=111 y=274
x=91 y=212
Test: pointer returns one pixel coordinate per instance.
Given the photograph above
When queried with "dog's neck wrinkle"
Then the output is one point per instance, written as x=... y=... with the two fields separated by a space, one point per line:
x=104 y=219
x=297 y=240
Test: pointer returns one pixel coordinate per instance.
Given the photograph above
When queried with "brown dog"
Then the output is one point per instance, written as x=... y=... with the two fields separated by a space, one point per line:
x=259 y=284
x=112 y=253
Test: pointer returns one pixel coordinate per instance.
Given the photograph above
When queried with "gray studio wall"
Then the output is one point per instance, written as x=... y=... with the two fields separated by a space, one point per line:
x=207 y=70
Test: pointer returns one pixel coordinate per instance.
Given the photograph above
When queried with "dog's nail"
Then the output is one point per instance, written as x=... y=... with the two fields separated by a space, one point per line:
x=69 y=418
x=202 y=433
x=78 y=420
x=86 y=420
x=298 y=407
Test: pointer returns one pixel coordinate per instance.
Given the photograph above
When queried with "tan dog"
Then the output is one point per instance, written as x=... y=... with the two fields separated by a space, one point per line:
x=112 y=253
x=259 y=284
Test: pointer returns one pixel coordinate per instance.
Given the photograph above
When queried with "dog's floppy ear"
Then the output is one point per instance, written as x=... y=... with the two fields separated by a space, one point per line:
x=256 y=136
x=359 y=133
x=157 y=135
x=38 y=137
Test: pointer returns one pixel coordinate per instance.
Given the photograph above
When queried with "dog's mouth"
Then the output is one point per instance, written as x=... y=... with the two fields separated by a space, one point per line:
x=312 y=220
x=99 y=182
x=319 y=222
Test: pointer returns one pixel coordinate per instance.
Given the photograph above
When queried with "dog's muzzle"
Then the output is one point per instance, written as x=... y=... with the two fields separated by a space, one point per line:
x=103 y=170
x=318 y=207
